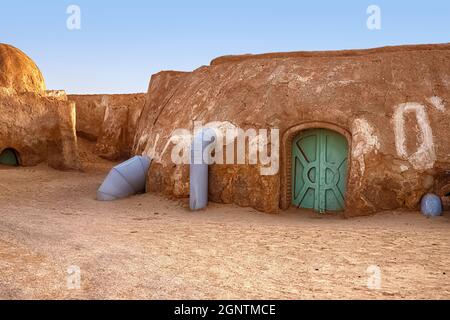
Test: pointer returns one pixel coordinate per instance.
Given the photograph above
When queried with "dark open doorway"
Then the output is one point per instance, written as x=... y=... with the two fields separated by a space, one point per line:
x=9 y=157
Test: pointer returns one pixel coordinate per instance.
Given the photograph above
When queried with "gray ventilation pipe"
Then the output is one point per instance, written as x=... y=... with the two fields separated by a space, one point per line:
x=124 y=180
x=198 y=186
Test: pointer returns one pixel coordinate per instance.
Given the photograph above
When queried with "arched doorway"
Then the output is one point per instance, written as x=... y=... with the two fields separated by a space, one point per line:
x=9 y=157
x=319 y=170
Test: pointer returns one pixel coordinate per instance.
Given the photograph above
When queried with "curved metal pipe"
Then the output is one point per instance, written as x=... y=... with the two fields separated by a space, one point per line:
x=124 y=180
x=198 y=186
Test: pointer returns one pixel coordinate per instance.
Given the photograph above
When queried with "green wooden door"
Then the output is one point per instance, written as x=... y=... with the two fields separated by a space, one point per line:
x=8 y=157
x=319 y=170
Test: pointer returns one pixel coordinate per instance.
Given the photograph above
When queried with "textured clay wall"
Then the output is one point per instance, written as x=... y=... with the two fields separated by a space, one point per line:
x=38 y=124
x=110 y=120
x=392 y=104
x=39 y=128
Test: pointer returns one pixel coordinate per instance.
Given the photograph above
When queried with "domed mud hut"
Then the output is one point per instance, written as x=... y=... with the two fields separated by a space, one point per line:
x=19 y=72
x=35 y=125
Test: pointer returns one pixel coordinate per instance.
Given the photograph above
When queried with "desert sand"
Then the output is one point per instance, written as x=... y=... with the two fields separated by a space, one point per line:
x=151 y=247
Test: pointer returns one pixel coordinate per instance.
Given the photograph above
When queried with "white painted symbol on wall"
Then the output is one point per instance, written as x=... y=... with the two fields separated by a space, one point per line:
x=365 y=141
x=425 y=157
x=437 y=102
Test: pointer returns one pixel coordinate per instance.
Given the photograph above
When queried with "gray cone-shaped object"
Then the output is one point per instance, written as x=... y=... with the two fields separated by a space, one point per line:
x=125 y=180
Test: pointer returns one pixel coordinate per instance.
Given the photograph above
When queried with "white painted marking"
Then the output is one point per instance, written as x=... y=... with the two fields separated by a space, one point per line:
x=365 y=141
x=425 y=157
x=403 y=168
x=437 y=102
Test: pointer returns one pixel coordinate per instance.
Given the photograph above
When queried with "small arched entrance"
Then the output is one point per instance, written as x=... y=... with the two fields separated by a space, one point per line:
x=319 y=170
x=9 y=157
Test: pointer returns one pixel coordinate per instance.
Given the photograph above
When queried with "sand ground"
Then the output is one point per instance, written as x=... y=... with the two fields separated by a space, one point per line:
x=153 y=248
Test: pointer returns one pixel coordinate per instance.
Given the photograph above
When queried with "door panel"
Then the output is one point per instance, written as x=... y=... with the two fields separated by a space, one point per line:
x=305 y=153
x=319 y=173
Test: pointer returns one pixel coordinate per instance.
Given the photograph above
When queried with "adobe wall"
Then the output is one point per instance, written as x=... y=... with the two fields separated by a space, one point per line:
x=110 y=120
x=40 y=128
x=392 y=104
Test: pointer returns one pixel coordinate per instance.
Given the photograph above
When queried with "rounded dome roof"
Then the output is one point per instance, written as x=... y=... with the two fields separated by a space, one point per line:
x=18 y=71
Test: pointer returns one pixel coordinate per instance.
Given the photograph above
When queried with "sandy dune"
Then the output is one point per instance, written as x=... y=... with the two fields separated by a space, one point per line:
x=153 y=248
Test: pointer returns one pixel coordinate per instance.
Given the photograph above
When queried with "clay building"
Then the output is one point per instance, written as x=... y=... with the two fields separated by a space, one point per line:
x=108 y=120
x=35 y=125
x=39 y=125
x=359 y=131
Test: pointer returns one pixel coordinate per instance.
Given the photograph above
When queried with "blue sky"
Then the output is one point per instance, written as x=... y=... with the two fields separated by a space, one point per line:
x=122 y=43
